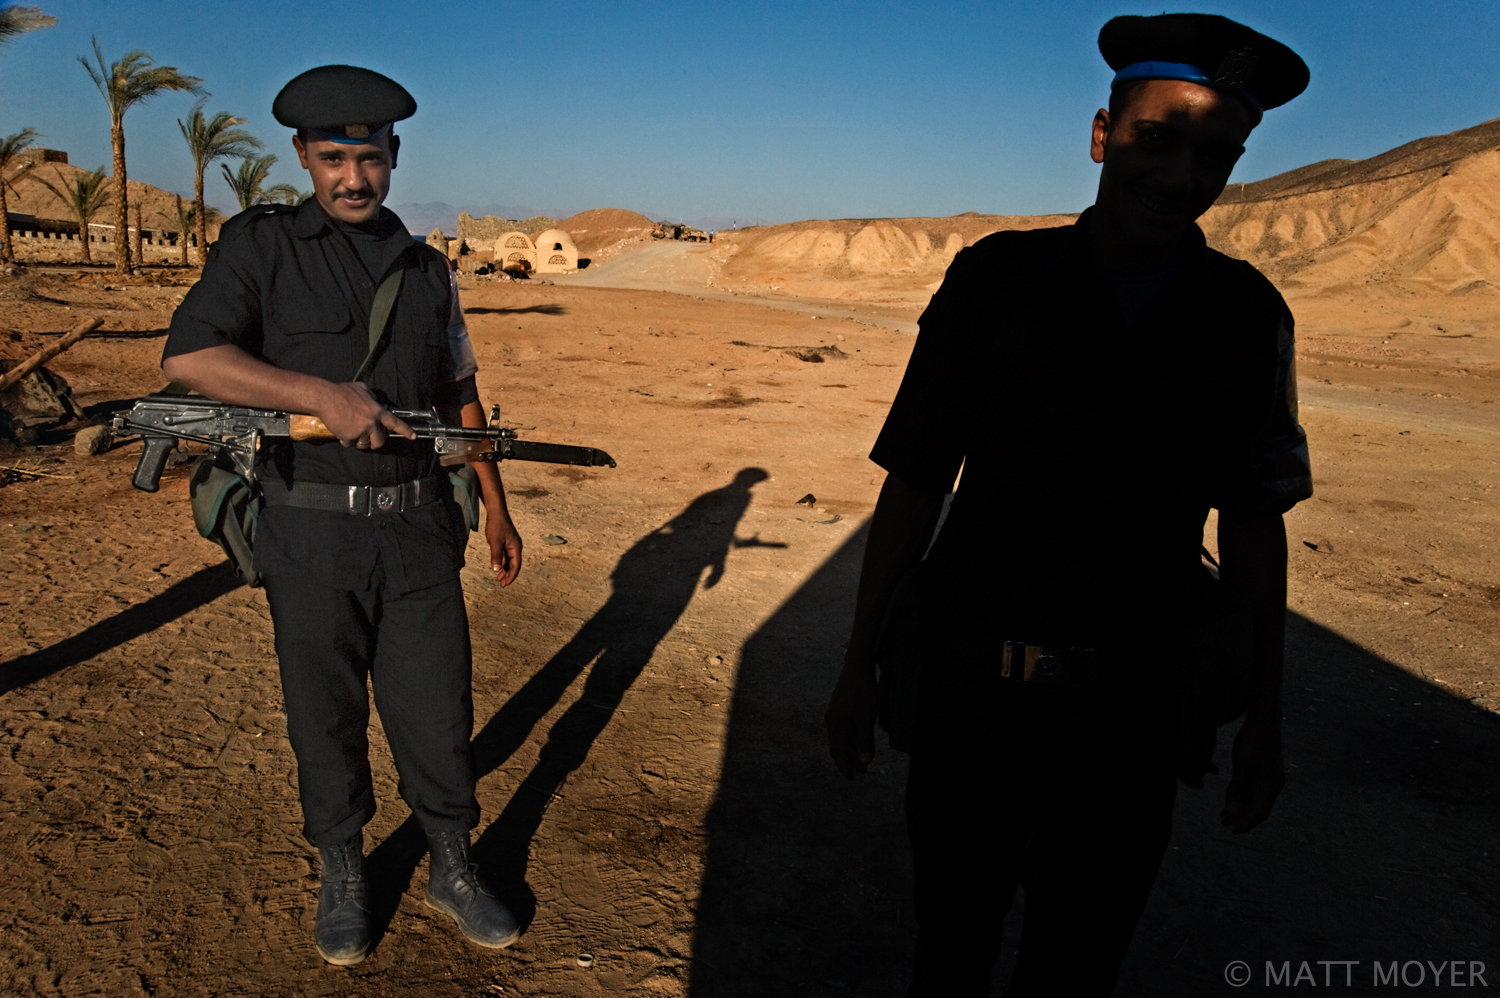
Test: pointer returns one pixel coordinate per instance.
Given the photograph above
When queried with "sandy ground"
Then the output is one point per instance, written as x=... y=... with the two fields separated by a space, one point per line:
x=655 y=791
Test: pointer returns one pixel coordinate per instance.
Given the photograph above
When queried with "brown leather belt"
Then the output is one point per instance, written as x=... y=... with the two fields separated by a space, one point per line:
x=357 y=500
x=1047 y=665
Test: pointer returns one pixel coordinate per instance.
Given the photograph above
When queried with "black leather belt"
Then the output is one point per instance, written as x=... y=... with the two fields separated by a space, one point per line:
x=357 y=500
x=1047 y=665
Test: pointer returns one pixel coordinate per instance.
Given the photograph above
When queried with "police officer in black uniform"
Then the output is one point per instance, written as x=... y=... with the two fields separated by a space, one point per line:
x=360 y=542
x=1102 y=386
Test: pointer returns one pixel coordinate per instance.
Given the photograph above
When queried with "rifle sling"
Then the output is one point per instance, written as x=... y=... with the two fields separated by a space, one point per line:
x=380 y=314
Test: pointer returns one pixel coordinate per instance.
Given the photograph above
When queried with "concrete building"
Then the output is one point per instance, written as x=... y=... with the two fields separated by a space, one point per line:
x=555 y=252
x=516 y=251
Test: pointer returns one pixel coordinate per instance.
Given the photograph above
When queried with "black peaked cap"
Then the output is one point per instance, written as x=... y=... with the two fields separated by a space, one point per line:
x=335 y=96
x=1206 y=40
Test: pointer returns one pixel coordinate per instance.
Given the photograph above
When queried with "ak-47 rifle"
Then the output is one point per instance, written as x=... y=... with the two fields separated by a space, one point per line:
x=162 y=420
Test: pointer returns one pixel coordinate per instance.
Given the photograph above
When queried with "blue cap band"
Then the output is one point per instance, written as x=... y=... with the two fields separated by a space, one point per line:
x=1186 y=72
x=343 y=135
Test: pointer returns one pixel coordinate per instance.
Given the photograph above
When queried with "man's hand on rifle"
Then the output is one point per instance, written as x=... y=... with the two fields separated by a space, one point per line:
x=352 y=414
x=231 y=375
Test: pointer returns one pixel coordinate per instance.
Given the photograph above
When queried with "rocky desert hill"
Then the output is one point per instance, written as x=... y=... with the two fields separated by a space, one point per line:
x=158 y=207
x=601 y=233
x=873 y=259
x=1426 y=214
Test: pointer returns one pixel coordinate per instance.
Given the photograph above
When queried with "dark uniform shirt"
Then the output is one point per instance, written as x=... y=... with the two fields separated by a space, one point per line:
x=1091 y=448
x=294 y=288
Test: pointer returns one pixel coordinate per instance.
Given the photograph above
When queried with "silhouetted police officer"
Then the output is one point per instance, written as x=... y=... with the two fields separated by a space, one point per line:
x=1103 y=386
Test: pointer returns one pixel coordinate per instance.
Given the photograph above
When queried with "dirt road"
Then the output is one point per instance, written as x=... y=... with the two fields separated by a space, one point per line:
x=696 y=270
x=647 y=695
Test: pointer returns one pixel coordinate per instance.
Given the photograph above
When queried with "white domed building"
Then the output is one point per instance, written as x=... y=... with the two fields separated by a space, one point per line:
x=555 y=252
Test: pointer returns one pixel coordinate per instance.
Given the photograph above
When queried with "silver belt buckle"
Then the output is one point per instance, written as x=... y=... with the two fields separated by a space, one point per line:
x=1034 y=664
x=386 y=499
x=1046 y=668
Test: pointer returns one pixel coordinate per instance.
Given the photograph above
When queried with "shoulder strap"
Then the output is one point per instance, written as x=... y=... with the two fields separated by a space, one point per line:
x=380 y=314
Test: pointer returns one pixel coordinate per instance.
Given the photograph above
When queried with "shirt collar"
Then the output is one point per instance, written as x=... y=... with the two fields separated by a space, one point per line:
x=1076 y=253
x=313 y=221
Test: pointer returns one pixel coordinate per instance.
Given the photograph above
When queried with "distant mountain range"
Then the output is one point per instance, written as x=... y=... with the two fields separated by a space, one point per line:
x=422 y=217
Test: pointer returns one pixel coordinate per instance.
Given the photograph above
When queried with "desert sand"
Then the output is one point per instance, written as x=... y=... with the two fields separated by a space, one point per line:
x=648 y=694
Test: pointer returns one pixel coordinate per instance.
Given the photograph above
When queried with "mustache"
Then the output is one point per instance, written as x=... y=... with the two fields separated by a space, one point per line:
x=344 y=192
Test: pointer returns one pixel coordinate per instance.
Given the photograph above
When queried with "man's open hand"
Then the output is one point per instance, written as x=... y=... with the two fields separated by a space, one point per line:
x=505 y=546
x=1258 y=776
x=352 y=414
x=850 y=718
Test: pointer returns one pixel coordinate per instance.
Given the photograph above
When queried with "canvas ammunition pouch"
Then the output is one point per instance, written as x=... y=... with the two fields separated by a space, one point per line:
x=466 y=493
x=226 y=510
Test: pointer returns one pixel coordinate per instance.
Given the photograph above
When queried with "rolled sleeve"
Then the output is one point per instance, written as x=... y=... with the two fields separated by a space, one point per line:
x=1278 y=472
x=921 y=442
x=465 y=365
x=222 y=308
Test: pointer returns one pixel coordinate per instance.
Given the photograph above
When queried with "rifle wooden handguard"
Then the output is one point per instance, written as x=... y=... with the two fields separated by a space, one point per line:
x=308 y=428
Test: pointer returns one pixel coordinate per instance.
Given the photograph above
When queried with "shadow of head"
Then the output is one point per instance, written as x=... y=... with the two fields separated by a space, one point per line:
x=537 y=309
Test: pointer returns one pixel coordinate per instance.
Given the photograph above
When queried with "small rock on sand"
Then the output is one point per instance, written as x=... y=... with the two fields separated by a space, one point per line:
x=92 y=440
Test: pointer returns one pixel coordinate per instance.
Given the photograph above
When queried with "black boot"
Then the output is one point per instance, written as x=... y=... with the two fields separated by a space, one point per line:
x=454 y=887
x=343 y=922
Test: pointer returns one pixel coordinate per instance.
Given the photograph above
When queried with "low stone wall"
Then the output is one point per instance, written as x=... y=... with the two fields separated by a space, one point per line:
x=37 y=246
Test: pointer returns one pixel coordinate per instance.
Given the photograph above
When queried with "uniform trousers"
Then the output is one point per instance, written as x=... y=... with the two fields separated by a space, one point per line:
x=413 y=649
x=1068 y=794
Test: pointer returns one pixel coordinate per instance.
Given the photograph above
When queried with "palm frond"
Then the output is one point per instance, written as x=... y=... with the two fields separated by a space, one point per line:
x=14 y=144
x=216 y=137
x=247 y=180
x=17 y=20
x=85 y=196
x=281 y=194
x=134 y=78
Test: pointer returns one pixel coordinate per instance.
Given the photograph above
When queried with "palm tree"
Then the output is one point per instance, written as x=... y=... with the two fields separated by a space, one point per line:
x=88 y=193
x=132 y=80
x=247 y=180
x=11 y=148
x=209 y=139
x=17 y=20
x=187 y=216
x=185 y=213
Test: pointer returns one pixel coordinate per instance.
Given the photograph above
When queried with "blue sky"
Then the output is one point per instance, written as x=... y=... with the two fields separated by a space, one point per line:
x=773 y=110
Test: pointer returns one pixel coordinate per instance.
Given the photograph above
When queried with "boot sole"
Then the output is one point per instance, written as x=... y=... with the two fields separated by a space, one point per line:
x=508 y=940
x=343 y=961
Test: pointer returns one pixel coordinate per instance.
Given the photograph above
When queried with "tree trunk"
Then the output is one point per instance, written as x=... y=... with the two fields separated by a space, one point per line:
x=83 y=235
x=200 y=219
x=7 y=252
x=140 y=237
x=122 y=207
x=183 y=234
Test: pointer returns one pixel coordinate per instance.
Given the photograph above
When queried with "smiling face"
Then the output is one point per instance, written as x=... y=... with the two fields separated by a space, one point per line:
x=1167 y=154
x=350 y=181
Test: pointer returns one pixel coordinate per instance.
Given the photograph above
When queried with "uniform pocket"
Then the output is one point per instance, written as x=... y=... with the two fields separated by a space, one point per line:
x=312 y=317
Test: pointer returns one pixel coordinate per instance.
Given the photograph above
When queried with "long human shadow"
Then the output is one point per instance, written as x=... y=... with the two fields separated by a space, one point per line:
x=181 y=597
x=652 y=584
x=1376 y=849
